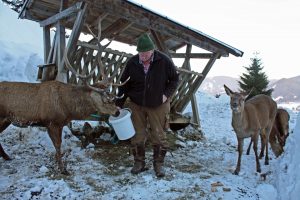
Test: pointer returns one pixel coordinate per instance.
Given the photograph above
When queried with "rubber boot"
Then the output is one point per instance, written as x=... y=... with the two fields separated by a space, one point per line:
x=159 y=154
x=138 y=152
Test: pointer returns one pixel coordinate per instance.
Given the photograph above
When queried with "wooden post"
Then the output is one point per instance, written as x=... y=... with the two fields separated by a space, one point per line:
x=196 y=117
x=72 y=43
x=47 y=45
x=44 y=72
x=61 y=41
x=182 y=105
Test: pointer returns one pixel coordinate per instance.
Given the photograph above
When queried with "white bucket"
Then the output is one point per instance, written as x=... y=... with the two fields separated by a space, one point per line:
x=122 y=124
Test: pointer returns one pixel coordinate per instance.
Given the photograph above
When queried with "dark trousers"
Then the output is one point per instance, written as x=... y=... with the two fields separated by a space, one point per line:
x=150 y=123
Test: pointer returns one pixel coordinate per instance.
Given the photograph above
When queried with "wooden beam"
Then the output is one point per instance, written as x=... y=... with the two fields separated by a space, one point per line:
x=61 y=43
x=196 y=117
x=63 y=14
x=182 y=105
x=47 y=45
x=152 y=21
x=178 y=46
x=189 y=71
x=193 y=55
x=95 y=47
x=159 y=42
x=116 y=28
x=78 y=24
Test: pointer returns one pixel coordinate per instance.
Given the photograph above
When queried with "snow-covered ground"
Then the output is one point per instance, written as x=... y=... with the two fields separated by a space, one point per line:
x=192 y=171
x=199 y=170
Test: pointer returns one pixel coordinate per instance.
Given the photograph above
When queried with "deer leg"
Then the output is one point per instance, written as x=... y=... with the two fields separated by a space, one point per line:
x=3 y=125
x=255 y=141
x=249 y=147
x=268 y=130
x=240 y=150
x=263 y=143
x=55 y=133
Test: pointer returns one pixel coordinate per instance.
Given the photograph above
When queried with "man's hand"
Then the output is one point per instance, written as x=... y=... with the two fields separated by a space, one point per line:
x=164 y=98
x=118 y=111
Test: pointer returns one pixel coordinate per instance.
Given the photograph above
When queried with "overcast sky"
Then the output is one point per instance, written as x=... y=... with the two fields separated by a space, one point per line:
x=270 y=27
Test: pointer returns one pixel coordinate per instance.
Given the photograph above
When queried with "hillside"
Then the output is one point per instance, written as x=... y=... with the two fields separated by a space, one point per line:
x=215 y=85
x=285 y=90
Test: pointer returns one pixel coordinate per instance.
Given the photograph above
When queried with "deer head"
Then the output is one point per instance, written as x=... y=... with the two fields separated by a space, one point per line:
x=237 y=100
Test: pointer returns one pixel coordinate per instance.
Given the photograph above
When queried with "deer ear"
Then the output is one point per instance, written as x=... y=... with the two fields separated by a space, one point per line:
x=227 y=90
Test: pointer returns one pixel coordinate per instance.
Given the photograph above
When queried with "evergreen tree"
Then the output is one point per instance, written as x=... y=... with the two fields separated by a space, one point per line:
x=255 y=79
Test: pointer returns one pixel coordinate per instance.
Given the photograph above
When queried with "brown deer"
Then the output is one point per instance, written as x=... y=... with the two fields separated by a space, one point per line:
x=54 y=104
x=49 y=104
x=279 y=133
x=249 y=119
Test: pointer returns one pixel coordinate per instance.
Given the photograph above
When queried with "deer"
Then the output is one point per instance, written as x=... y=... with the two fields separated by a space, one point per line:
x=278 y=134
x=251 y=118
x=53 y=104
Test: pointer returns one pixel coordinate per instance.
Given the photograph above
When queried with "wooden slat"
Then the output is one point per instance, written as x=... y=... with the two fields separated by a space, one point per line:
x=71 y=46
x=63 y=14
x=198 y=82
x=196 y=117
x=61 y=41
x=192 y=55
x=188 y=71
x=159 y=42
x=92 y=46
x=116 y=27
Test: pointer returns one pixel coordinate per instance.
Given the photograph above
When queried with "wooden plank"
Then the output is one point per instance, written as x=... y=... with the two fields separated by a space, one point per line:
x=162 y=25
x=116 y=28
x=192 y=55
x=24 y=8
x=160 y=42
x=198 y=82
x=188 y=71
x=183 y=89
x=95 y=47
x=48 y=72
x=42 y=73
x=71 y=46
x=61 y=41
x=46 y=39
x=61 y=15
x=196 y=117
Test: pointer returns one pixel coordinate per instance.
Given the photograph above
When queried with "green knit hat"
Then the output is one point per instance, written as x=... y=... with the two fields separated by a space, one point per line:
x=145 y=43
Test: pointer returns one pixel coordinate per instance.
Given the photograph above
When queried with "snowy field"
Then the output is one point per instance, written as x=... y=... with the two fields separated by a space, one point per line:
x=201 y=170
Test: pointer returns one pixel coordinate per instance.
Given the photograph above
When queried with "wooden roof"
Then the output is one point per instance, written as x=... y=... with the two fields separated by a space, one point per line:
x=125 y=21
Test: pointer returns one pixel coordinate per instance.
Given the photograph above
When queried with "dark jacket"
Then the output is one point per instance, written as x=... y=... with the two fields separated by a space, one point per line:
x=148 y=89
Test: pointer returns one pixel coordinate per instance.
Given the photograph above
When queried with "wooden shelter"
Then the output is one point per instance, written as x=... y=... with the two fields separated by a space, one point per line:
x=123 y=21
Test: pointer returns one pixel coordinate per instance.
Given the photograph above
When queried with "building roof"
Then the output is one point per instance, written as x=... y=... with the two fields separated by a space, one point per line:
x=125 y=21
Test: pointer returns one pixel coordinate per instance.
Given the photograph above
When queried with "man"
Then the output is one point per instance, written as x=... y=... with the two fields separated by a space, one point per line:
x=153 y=79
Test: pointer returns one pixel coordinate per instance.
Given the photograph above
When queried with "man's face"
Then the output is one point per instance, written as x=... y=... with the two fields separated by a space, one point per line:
x=145 y=56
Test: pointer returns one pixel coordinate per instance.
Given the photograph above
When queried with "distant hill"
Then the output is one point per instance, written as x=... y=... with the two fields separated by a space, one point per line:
x=285 y=90
x=215 y=85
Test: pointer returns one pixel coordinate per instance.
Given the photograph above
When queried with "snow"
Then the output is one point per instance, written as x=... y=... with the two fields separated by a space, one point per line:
x=199 y=170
